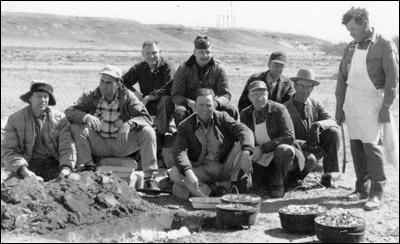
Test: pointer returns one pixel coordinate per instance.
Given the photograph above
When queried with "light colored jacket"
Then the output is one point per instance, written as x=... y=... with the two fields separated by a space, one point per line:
x=19 y=139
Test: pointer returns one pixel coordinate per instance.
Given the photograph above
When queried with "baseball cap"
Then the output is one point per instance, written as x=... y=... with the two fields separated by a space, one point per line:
x=113 y=71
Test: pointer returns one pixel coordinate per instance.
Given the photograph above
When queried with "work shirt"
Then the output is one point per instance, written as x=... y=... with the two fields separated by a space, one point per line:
x=157 y=82
x=40 y=150
x=301 y=109
x=108 y=113
x=210 y=149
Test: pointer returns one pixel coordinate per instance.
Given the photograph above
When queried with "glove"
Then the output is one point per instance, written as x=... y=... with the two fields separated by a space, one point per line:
x=313 y=135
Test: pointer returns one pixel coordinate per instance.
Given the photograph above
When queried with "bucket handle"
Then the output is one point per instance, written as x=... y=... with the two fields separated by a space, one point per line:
x=345 y=232
x=291 y=191
x=237 y=192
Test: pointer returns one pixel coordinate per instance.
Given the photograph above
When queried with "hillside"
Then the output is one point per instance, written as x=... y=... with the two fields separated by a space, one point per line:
x=56 y=31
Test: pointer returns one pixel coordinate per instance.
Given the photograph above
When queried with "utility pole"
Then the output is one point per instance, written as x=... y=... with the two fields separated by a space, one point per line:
x=230 y=21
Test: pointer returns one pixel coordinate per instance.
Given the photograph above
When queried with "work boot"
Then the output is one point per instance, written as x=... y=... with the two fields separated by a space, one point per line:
x=356 y=196
x=244 y=182
x=150 y=184
x=373 y=204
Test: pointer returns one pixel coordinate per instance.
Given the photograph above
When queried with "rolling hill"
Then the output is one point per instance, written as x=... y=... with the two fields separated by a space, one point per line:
x=56 y=31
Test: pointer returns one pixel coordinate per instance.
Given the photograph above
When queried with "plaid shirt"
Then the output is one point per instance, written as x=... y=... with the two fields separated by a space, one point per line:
x=108 y=113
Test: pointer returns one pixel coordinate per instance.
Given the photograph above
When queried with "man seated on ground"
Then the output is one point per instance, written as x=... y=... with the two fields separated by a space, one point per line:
x=206 y=153
x=280 y=88
x=37 y=141
x=275 y=152
x=200 y=71
x=154 y=76
x=110 y=121
x=314 y=126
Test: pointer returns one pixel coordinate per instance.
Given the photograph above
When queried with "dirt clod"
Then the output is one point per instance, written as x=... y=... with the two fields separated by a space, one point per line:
x=84 y=199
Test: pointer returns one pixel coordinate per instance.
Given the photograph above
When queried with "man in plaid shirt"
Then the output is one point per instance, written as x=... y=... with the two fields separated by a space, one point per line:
x=111 y=121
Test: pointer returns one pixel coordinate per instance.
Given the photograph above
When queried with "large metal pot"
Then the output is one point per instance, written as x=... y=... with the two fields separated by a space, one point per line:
x=337 y=234
x=232 y=214
x=298 y=221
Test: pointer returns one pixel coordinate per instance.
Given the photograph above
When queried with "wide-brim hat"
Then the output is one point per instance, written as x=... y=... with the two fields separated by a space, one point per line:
x=307 y=75
x=39 y=87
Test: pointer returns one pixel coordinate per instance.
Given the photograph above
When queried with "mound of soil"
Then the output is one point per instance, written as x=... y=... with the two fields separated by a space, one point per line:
x=81 y=199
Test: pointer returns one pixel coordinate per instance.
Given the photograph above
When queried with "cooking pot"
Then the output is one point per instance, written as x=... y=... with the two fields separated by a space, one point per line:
x=234 y=214
x=334 y=234
x=300 y=221
x=238 y=210
x=244 y=199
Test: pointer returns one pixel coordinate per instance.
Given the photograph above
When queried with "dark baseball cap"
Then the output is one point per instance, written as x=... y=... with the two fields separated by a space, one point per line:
x=257 y=85
x=278 y=57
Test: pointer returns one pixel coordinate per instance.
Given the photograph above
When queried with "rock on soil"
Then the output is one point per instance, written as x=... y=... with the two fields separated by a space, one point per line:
x=88 y=198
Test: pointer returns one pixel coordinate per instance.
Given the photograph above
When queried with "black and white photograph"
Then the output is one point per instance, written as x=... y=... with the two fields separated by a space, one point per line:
x=199 y=121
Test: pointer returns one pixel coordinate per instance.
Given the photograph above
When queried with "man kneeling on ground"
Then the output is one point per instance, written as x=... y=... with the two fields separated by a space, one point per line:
x=206 y=153
x=37 y=141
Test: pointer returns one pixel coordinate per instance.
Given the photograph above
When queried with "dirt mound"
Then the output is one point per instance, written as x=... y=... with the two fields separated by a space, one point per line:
x=81 y=199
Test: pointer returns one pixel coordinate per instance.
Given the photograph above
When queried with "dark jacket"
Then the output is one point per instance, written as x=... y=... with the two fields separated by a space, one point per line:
x=187 y=82
x=279 y=127
x=283 y=91
x=187 y=146
x=316 y=114
x=131 y=109
x=157 y=83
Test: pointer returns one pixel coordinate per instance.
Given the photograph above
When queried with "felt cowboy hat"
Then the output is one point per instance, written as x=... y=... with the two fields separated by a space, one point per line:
x=39 y=87
x=307 y=75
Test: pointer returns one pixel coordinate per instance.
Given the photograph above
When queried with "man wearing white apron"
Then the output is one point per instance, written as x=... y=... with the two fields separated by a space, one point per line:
x=276 y=151
x=366 y=88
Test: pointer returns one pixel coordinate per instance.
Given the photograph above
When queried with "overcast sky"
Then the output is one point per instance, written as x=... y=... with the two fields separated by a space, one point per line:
x=318 y=19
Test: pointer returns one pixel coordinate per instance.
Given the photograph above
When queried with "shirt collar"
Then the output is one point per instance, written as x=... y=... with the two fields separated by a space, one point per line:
x=372 y=38
x=269 y=78
x=115 y=97
x=159 y=64
x=199 y=123
x=43 y=115
x=297 y=103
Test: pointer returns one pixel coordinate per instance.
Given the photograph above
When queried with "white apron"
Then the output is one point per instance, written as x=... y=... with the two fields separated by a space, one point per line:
x=362 y=102
x=261 y=135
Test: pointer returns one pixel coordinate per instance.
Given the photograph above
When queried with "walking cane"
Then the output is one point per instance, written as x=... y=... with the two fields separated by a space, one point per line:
x=344 y=150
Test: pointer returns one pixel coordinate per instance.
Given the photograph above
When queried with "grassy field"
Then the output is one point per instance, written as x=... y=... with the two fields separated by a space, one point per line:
x=72 y=72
